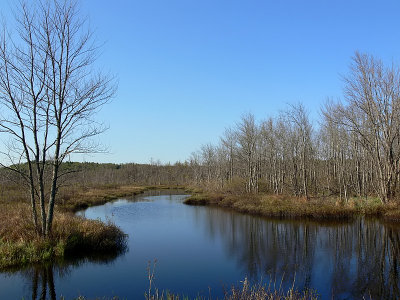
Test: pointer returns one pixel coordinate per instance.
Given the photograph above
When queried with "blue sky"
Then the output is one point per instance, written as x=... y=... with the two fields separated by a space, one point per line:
x=189 y=69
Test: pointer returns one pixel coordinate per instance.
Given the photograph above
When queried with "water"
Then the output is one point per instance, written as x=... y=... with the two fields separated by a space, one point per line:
x=203 y=249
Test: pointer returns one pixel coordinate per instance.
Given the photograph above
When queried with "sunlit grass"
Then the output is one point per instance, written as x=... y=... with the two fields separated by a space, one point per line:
x=20 y=244
x=283 y=206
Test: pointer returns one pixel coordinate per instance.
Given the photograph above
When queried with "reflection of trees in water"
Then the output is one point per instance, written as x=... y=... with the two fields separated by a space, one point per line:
x=44 y=278
x=356 y=259
x=366 y=260
x=41 y=277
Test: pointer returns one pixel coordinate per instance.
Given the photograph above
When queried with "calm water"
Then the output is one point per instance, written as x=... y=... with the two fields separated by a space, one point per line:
x=202 y=248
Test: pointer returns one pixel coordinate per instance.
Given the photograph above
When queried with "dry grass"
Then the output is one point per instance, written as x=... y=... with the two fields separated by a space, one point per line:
x=261 y=292
x=278 y=206
x=245 y=292
x=19 y=243
x=76 y=198
x=391 y=213
x=80 y=197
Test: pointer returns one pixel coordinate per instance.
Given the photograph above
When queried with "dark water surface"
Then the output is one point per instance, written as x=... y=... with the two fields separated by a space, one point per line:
x=201 y=248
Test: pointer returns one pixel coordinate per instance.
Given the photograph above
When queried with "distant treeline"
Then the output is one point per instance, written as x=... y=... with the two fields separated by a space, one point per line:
x=90 y=174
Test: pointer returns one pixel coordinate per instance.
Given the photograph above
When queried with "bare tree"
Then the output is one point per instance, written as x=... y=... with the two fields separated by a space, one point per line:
x=302 y=132
x=49 y=94
x=248 y=138
x=228 y=143
x=372 y=113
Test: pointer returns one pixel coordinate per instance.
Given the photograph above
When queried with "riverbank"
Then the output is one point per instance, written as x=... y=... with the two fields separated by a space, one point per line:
x=71 y=235
x=297 y=208
x=78 y=198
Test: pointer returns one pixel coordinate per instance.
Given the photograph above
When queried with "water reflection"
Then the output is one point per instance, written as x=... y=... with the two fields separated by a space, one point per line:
x=201 y=247
x=41 y=278
x=355 y=260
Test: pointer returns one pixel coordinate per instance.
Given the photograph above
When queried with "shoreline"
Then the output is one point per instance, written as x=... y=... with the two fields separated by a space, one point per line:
x=94 y=196
x=71 y=235
x=20 y=246
x=286 y=207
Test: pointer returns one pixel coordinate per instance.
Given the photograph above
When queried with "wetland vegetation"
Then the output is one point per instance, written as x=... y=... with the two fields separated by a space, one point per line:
x=339 y=259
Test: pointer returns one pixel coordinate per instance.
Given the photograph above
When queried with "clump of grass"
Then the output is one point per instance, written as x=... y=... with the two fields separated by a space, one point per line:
x=263 y=292
x=205 y=199
x=20 y=244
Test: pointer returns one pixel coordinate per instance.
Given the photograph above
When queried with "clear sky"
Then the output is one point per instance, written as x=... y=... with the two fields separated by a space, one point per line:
x=188 y=69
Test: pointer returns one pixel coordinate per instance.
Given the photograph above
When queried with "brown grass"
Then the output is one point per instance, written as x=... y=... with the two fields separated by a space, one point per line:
x=74 y=199
x=80 y=197
x=279 y=206
x=245 y=292
x=19 y=243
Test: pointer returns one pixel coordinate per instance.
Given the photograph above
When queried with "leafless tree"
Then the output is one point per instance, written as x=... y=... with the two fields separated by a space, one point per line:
x=302 y=132
x=228 y=143
x=49 y=94
x=372 y=113
x=248 y=138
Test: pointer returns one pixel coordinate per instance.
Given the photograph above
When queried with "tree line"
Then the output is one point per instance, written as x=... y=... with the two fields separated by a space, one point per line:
x=354 y=150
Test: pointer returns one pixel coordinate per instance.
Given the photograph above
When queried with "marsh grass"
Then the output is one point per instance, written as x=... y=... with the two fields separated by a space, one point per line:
x=279 y=206
x=71 y=235
x=76 y=198
x=246 y=291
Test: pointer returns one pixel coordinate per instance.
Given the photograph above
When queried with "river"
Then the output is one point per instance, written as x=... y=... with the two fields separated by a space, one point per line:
x=201 y=250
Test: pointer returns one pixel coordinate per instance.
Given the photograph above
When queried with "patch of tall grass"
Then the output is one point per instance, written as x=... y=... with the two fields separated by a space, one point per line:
x=20 y=244
x=280 y=206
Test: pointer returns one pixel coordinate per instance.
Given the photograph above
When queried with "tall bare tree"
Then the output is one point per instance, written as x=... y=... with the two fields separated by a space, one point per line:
x=248 y=138
x=302 y=132
x=49 y=94
x=372 y=112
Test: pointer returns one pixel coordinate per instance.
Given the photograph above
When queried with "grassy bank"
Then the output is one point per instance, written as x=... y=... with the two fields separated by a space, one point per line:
x=296 y=208
x=19 y=243
x=74 y=199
